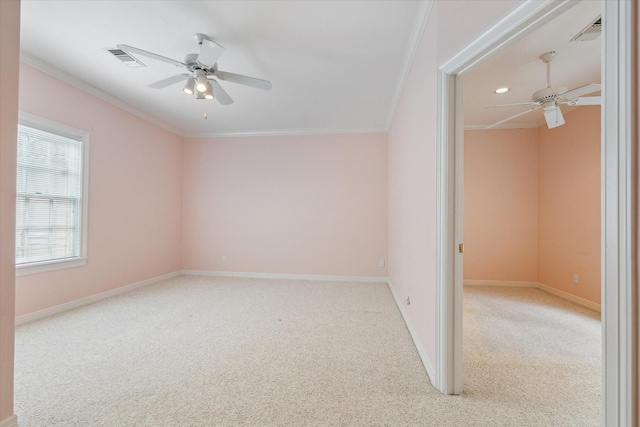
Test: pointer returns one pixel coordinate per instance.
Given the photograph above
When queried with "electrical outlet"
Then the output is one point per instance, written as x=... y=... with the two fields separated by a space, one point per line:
x=224 y=258
x=381 y=263
x=576 y=279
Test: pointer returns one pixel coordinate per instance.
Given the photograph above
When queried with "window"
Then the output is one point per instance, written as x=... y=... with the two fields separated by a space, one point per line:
x=51 y=203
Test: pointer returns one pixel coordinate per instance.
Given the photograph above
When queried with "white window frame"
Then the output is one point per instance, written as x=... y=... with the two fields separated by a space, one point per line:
x=37 y=122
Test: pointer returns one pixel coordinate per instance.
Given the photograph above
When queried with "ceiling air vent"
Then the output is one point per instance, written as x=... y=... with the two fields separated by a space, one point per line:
x=590 y=32
x=126 y=58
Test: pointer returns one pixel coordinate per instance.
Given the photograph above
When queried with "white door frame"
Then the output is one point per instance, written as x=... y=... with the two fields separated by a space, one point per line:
x=619 y=212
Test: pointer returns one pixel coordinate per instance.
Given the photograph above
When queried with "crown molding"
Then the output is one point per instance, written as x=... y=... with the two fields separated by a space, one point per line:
x=284 y=132
x=503 y=127
x=419 y=25
x=420 y=22
x=92 y=90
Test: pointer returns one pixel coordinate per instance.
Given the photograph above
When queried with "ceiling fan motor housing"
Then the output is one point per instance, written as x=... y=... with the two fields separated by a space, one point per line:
x=548 y=94
x=191 y=61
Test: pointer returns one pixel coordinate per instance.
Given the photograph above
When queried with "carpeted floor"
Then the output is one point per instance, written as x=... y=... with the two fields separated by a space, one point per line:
x=201 y=351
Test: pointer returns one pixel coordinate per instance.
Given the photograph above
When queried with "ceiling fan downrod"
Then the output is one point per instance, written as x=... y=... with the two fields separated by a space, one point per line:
x=547 y=58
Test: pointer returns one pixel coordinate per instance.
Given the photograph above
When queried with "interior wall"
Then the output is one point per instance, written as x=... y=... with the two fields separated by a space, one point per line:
x=569 y=204
x=501 y=205
x=314 y=204
x=135 y=202
x=412 y=189
x=459 y=22
x=412 y=159
x=532 y=204
x=9 y=74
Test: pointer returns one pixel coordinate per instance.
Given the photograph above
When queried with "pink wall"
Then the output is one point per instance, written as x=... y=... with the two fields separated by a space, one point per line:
x=569 y=182
x=9 y=60
x=501 y=205
x=412 y=161
x=532 y=205
x=410 y=244
x=135 y=197
x=287 y=204
x=412 y=189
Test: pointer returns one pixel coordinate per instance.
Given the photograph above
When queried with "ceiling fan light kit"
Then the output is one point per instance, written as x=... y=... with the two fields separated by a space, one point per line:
x=553 y=117
x=201 y=81
x=202 y=70
x=550 y=99
x=189 y=88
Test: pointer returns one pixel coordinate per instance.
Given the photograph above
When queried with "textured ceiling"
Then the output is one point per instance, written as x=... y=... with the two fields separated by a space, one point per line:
x=334 y=65
x=519 y=67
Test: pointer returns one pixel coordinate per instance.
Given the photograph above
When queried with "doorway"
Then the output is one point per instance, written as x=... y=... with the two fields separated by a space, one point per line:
x=618 y=297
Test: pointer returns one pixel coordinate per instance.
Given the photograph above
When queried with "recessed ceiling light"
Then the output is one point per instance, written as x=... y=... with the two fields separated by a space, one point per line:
x=502 y=90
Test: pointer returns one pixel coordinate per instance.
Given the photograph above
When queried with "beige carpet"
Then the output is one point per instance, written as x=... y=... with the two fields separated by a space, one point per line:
x=527 y=349
x=197 y=351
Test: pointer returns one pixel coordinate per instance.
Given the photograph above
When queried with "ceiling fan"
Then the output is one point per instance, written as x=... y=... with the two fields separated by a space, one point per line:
x=550 y=97
x=202 y=72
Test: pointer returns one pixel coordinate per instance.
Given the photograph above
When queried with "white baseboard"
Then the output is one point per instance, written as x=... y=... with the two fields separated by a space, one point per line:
x=570 y=297
x=248 y=275
x=51 y=311
x=564 y=295
x=511 y=284
x=12 y=421
x=414 y=336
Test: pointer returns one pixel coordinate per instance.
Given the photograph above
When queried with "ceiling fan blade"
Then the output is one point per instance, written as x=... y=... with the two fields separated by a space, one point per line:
x=579 y=91
x=169 y=81
x=553 y=117
x=513 y=117
x=220 y=94
x=210 y=51
x=586 y=100
x=132 y=49
x=244 y=80
x=512 y=105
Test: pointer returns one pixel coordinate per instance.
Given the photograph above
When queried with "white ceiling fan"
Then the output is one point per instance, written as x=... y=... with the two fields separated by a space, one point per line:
x=550 y=97
x=202 y=71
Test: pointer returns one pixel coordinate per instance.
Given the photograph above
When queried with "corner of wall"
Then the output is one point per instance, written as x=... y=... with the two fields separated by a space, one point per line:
x=9 y=78
x=428 y=365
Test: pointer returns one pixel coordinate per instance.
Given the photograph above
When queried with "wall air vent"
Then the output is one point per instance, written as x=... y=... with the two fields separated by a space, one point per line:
x=590 y=32
x=126 y=58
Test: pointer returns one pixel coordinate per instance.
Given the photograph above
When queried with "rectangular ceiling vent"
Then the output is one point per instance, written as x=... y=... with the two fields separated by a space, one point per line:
x=126 y=58
x=590 y=32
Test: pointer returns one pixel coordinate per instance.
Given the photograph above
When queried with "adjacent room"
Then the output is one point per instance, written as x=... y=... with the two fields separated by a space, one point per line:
x=225 y=215
x=532 y=214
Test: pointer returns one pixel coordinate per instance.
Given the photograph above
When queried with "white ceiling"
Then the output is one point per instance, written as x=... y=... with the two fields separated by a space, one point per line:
x=334 y=65
x=519 y=67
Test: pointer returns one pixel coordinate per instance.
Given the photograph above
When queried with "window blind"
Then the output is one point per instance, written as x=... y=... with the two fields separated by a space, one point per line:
x=49 y=191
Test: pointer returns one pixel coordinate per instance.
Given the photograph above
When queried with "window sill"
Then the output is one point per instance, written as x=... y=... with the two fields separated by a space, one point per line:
x=43 y=267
